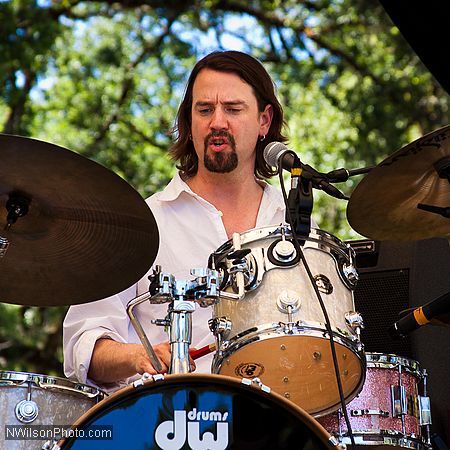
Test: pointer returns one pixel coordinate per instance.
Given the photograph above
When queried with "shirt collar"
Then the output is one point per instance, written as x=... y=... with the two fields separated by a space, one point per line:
x=174 y=189
x=177 y=186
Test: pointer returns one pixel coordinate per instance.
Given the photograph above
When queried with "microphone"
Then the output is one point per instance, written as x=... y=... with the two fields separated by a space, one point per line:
x=276 y=151
x=420 y=316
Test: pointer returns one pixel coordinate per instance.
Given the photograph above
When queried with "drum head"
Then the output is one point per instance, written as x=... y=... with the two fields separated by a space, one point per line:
x=197 y=412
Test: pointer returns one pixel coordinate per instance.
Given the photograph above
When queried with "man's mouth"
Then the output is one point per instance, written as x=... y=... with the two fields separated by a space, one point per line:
x=218 y=143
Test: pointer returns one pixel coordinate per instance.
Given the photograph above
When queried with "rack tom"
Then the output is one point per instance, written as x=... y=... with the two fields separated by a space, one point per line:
x=277 y=331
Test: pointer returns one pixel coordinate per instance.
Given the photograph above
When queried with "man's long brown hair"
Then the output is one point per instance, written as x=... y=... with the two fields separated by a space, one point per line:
x=252 y=72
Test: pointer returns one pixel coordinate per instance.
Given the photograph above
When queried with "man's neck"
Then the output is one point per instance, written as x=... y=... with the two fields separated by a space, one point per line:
x=220 y=189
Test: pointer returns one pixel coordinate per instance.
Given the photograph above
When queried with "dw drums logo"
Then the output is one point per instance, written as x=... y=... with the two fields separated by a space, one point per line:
x=172 y=434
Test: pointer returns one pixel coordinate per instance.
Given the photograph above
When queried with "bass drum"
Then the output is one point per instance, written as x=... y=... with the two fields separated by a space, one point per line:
x=196 y=412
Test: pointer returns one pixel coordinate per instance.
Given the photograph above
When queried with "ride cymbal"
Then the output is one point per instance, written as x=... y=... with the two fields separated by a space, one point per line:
x=386 y=204
x=78 y=232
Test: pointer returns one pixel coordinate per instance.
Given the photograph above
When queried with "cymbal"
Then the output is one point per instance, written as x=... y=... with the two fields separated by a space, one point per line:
x=85 y=233
x=384 y=205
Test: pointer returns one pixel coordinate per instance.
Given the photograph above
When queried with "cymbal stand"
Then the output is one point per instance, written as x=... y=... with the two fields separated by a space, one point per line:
x=17 y=206
x=442 y=168
x=182 y=295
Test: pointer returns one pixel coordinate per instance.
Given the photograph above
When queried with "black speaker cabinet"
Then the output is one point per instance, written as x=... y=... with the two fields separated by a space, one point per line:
x=396 y=276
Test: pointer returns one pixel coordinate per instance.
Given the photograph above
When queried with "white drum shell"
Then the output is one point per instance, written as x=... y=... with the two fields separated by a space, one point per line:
x=289 y=348
x=60 y=402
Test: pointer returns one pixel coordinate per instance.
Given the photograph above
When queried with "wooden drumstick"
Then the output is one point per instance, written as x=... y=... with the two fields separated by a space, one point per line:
x=198 y=353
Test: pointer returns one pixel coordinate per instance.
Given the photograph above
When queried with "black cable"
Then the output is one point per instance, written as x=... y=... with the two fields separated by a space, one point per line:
x=322 y=305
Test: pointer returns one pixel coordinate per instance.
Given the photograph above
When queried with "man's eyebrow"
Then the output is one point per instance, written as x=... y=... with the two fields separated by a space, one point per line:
x=227 y=103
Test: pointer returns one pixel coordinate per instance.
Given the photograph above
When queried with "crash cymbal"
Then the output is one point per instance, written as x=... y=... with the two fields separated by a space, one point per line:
x=384 y=206
x=81 y=232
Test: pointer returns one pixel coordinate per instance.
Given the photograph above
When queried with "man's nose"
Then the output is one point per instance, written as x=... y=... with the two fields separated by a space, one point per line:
x=219 y=120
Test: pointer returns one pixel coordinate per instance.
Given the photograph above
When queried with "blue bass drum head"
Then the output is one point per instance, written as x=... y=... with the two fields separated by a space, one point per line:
x=196 y=412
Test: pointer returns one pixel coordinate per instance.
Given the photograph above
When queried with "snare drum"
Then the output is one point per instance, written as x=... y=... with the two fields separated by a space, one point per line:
x=277 y=331
x=389 y=410
x=196 y=412
x=30 y=399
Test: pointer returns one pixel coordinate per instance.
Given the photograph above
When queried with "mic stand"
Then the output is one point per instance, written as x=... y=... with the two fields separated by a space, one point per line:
x=341 y=175
x=300 y=200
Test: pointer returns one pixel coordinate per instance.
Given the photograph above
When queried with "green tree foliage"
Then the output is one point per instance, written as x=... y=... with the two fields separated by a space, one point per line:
x=105 y=78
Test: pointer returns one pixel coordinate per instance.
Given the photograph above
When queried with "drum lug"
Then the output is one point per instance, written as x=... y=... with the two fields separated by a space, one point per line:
x=350 y=273
x=399 y=401
x=355 y=322
x=220 y=326
x=27 y=411
x=424 y=410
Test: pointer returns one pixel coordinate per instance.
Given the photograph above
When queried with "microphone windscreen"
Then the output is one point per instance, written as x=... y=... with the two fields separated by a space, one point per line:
x=273 y=151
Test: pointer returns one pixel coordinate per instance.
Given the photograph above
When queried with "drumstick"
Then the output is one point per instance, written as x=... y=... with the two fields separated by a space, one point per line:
x=198 y=353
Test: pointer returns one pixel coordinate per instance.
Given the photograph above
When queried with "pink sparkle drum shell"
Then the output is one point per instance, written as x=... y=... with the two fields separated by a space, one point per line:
x=196 y=411
x=375 y=414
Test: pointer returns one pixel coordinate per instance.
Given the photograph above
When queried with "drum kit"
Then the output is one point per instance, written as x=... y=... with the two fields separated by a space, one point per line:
x=284 y=374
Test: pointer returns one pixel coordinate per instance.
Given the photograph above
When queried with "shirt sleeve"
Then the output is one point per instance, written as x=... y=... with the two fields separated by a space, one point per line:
x=85 y=324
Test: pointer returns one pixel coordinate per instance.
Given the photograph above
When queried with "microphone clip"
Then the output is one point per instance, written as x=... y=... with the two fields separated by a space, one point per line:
x=300 y=199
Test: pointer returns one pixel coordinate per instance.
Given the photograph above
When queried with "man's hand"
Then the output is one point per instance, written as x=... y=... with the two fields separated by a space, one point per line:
x=113 y=361
x=142 y=361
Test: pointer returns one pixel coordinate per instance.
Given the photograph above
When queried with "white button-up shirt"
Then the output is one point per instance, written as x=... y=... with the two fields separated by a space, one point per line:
x=190 y=229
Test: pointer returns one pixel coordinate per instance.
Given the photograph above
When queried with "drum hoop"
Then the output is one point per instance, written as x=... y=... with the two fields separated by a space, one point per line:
x=256 y=234
x=308 y=420
x=389 y=438
x=48 y=382
x=342 y=254
x=391 y=361
x=315 y=329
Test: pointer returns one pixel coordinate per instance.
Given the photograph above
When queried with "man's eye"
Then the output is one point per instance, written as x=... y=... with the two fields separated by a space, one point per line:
x=234 y=110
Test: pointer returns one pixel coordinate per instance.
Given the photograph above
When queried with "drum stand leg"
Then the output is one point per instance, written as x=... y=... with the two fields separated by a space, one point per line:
x=180 y=335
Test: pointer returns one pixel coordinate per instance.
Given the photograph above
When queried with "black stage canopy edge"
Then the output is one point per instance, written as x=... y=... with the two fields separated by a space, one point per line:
x=424 y=25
